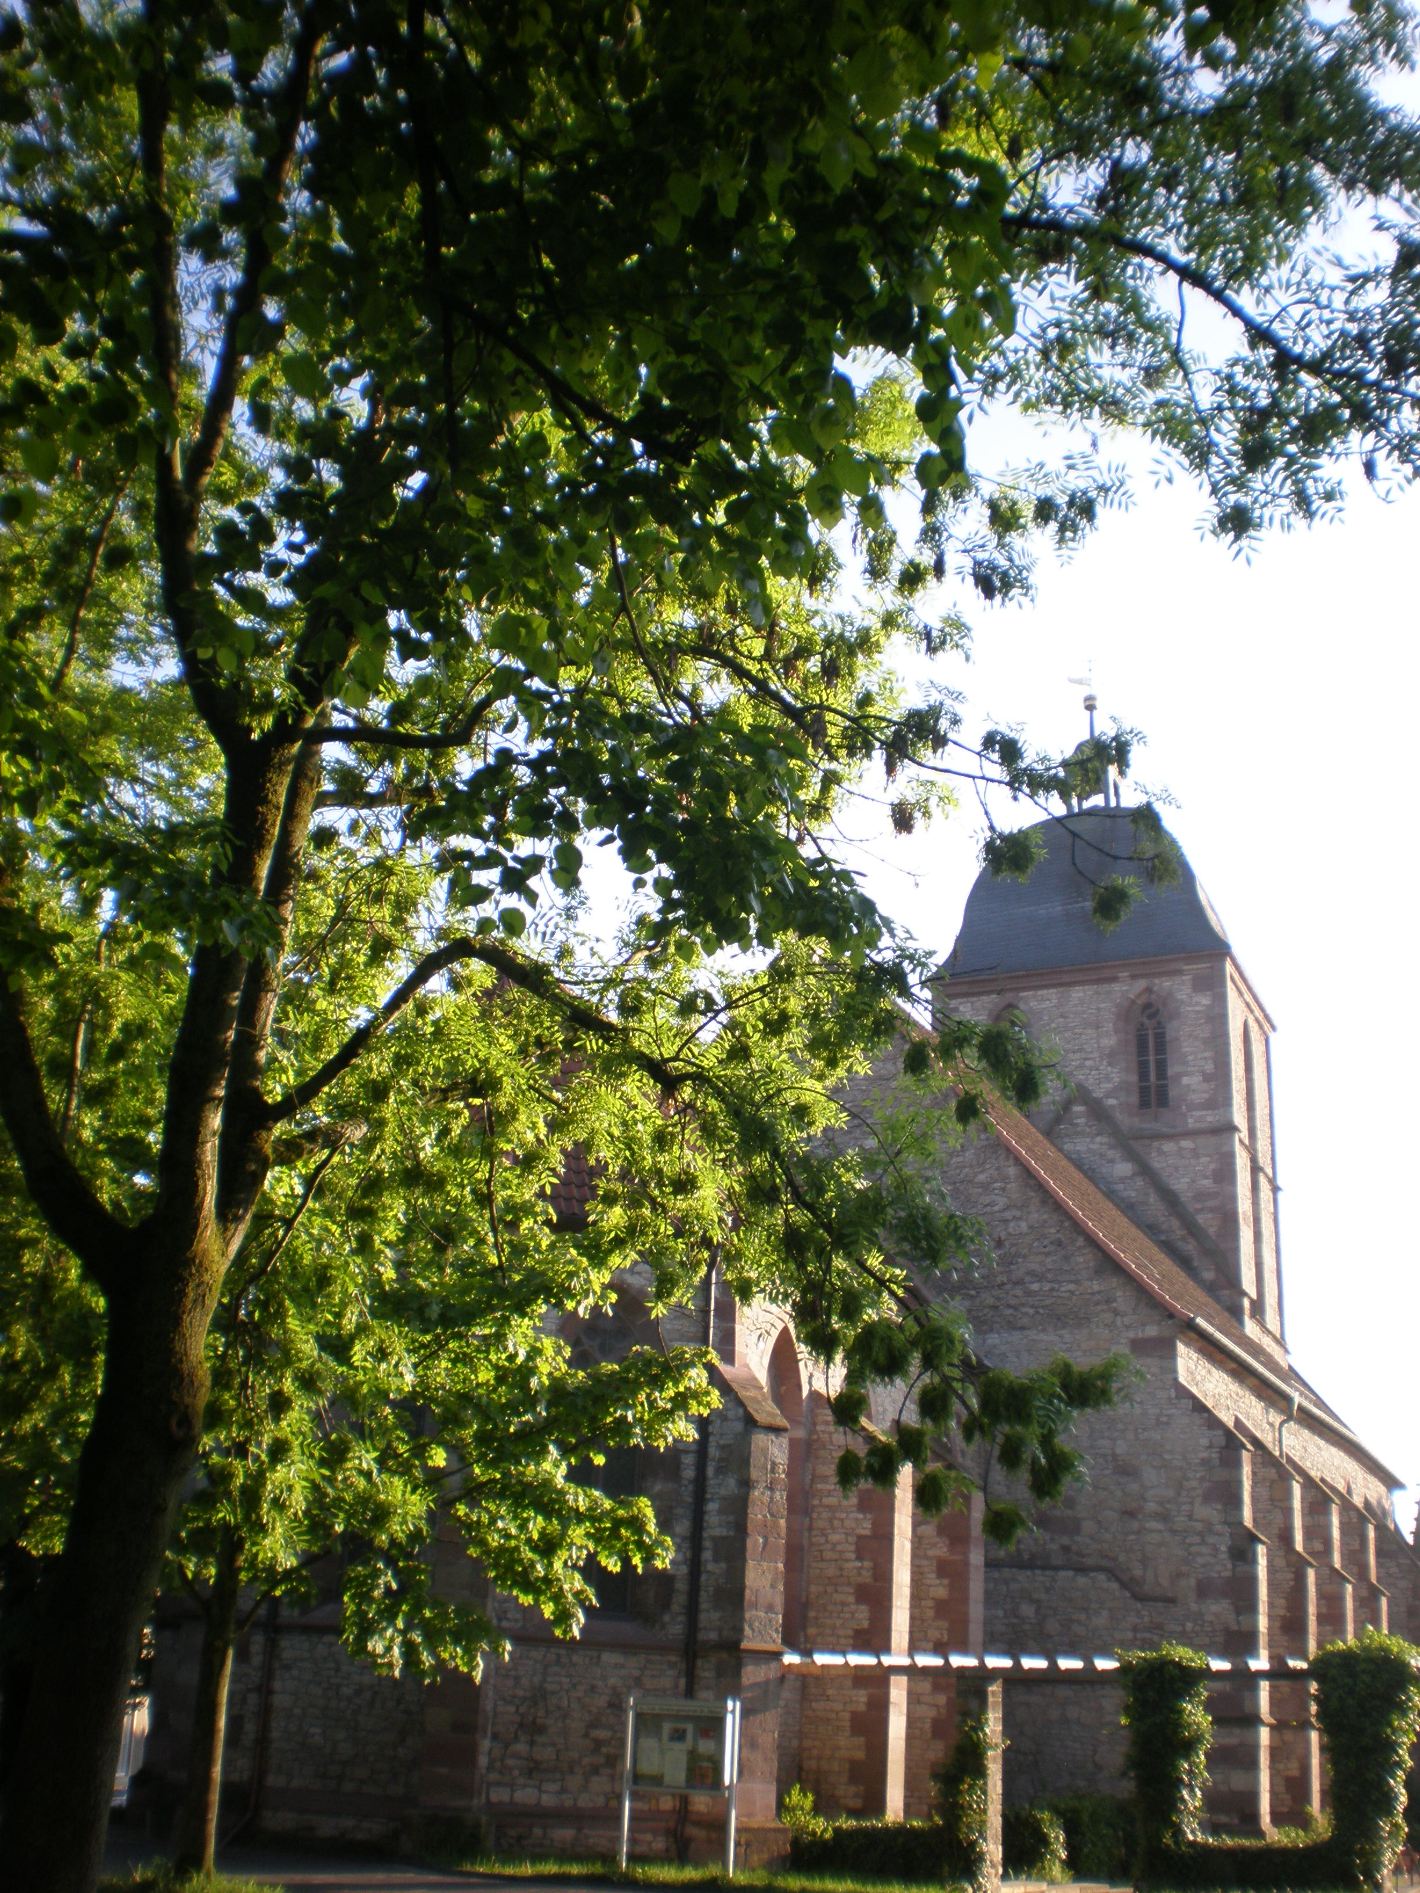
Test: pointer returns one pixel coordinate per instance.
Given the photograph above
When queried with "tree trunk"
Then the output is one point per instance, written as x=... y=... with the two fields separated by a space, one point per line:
x=202 y=1798
x=130 y=1470
x=21 y=1578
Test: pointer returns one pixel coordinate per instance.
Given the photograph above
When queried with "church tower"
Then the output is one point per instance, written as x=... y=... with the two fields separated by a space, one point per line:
x=1161 y=1044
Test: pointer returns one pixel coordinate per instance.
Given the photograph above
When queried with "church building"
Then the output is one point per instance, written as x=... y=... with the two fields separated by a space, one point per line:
x=1227 y=1506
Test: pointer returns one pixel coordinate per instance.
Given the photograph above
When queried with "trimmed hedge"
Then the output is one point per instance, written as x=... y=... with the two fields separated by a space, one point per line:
x=1368 y=1706
x=1170 y=1729
x=1033 y=1841
x=1246 y=1865
x=878 y=1850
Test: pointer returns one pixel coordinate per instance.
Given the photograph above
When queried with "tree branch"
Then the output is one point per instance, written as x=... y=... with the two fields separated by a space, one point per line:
x=573 y=403
x=86 y=588
x=243 y=1157
x=391 y=797
x=289 y=1223
x=527 y=975
x=380 y=735
x=61 y=1193
x=174 y=510
x=289 y=113
x=1080 y=230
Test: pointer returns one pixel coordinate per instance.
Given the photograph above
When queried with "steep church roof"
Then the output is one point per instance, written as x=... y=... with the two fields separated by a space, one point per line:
x=1045 y=921
x=1171 y=1286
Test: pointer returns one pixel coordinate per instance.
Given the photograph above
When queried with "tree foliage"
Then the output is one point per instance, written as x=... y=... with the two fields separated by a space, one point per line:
x=433 y=437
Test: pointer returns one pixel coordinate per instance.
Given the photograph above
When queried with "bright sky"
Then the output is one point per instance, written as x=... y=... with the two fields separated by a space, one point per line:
x=1275 y=699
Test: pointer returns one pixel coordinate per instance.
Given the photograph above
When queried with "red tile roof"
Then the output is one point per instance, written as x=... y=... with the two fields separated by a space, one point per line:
x=571 y=1194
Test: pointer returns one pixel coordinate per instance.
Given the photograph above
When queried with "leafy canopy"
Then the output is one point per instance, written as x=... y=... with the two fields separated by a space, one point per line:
x=434 y=437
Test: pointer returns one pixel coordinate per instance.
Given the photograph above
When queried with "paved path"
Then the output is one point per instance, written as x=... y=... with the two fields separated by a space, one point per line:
x=305 y=1872
x=309 y=1871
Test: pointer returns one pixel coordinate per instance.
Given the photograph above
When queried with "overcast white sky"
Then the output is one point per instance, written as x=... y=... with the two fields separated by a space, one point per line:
x=1276 y=698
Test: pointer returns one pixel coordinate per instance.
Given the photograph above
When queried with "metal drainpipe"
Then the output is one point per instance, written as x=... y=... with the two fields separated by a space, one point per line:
x=695 y=1563
x=697 y=1512
x=1283 y=1424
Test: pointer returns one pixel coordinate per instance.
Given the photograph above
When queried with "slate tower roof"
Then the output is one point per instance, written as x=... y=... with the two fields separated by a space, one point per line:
x=1045 y=921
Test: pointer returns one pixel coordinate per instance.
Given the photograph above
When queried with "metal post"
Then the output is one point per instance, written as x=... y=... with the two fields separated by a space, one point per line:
x=732 y=1771
x=626 y=1781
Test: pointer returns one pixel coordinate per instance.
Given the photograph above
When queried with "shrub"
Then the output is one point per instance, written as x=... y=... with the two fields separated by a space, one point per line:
x=876 y=1850
x=1101 y=1834
x=797 y=1812
x=1033 y=1843
x=1166 y=1713
x=961 y=1799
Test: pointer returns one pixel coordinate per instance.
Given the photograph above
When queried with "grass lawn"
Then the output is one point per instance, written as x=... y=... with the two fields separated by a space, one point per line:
x=668 y=1873
x=160 y=1878
x=157 y=1877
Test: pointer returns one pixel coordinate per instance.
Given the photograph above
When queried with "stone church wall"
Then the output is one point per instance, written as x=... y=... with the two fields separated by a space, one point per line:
x=1153 y=1545
x=339 y=1744
x=1214 y=1513
x=555 y=1719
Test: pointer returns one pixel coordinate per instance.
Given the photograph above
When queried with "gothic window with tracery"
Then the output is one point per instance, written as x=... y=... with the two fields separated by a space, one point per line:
x=1151 y=1053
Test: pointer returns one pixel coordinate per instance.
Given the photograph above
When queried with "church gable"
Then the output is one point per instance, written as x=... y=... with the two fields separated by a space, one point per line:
x=1049 y=1285
x=1084 y=1128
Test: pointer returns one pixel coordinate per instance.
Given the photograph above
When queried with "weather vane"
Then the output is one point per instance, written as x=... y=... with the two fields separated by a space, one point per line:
x=1091 y=700
x=1106 y=781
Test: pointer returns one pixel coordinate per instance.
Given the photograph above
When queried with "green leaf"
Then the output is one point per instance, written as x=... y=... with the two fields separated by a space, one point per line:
x=684 y=191
x=40 y=456
x=304 y=376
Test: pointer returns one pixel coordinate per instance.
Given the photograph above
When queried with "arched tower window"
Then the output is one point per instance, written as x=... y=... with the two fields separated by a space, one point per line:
x=1250 y=1086
x=1151 y=1056
x=1264 y=1234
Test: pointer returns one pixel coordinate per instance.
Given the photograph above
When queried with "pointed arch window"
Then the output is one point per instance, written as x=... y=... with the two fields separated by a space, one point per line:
x=1151 y=1054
